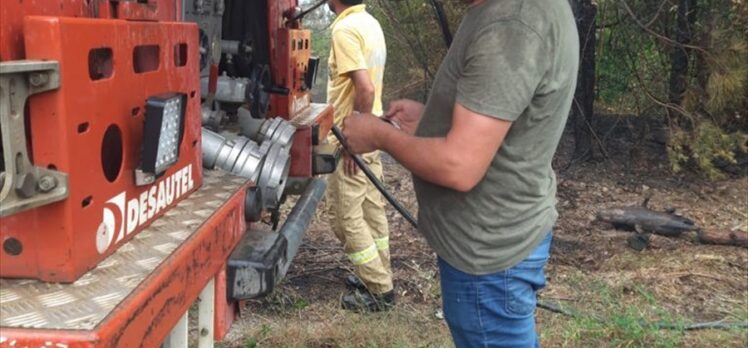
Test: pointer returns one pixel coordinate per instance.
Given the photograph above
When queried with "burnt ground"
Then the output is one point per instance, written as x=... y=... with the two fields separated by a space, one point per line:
x=618 y=292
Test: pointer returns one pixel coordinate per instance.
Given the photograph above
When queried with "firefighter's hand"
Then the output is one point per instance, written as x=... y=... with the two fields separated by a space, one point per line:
x=349 y=165
x=406 y=113
x=360 y=131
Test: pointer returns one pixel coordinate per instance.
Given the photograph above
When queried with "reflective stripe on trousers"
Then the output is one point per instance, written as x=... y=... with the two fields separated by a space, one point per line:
x=382 y=243
x=357 y=216
x=364 y=256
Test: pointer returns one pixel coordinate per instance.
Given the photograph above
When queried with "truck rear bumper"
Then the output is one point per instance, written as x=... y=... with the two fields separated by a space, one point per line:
x=263 y=256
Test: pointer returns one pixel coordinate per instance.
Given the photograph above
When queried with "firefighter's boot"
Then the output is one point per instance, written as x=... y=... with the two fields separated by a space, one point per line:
x=364 y=301
x=354 y=282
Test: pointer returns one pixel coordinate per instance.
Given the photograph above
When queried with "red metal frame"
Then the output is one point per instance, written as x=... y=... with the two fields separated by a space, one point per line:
x=225 y=310
x=290 y=50
x=67 y=131
x=292 y=46
x=152 y=10
x=301 y=165
x=59 y=239
x=156 y=305
x=12 y=14
x=301 y=149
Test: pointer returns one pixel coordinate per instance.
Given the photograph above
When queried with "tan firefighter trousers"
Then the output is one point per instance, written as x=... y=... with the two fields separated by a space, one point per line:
x=356 y=211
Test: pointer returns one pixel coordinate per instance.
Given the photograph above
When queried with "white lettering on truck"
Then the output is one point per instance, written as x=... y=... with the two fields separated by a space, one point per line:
x=119 y=219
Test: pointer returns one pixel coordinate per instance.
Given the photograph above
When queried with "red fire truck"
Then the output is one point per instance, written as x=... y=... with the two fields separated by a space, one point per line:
x=147 y=148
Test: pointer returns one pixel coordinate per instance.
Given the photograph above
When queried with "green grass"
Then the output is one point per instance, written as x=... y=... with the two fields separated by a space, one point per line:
x=620 y=320
x=611 y=316
x=255 y=340
x=279 y=302
x=613 y=313
x=325 y=325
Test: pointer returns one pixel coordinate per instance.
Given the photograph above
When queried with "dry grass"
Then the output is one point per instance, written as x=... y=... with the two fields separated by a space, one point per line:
x=325 y=325
x=626 y=311
x=591 y=271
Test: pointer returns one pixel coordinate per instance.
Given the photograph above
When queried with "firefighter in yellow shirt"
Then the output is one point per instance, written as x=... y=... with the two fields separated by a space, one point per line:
x=357 y=58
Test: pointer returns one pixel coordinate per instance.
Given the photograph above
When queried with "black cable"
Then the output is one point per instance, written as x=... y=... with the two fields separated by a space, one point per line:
x=710 y=325
x=443 y=23
x=307 y=11
x=378 y=184
x=552 y=307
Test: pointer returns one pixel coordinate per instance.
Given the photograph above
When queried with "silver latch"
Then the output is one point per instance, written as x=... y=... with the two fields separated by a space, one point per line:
x=23 y=185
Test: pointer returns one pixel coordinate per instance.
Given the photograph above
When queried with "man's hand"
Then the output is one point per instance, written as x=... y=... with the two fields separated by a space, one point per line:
x=349 y=165
x=361 y=132
x=459 y=160
x=406 y=113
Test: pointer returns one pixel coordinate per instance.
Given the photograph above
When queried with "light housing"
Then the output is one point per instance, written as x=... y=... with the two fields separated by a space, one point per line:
x=163 y=130
x=310 y=77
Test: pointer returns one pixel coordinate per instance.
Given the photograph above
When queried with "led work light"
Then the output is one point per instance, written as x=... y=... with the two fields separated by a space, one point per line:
x=162 y=134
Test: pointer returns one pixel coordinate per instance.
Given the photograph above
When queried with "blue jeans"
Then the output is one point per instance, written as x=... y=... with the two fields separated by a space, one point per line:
x=494 y=310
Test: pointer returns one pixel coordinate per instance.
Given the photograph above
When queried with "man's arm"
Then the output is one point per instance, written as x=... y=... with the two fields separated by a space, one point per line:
x=351 y=63
x=458 y=161
x=503 y=67
x=363 y=99
x=406 y=114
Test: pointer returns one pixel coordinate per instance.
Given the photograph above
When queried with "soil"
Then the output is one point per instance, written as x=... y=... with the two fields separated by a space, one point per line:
x=693 y=281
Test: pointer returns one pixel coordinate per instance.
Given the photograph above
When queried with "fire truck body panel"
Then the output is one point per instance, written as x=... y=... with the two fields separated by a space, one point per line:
x=139 y=292
x=103 y=249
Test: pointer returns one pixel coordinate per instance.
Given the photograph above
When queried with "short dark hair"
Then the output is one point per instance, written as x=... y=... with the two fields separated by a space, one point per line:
x=352 y=2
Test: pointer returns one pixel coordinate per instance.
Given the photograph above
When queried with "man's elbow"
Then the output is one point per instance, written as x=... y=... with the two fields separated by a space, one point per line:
x=367 y=91
x=363 y=87
x=460 y=177
x=463 y=183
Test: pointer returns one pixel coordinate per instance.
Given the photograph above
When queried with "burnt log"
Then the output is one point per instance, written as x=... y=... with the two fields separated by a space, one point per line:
x=736 y=238
x=643 y=220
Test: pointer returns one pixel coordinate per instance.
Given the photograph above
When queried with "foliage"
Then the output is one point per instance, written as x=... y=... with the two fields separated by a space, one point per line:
x=415 y=45
x=712 y=145
x=636 y=42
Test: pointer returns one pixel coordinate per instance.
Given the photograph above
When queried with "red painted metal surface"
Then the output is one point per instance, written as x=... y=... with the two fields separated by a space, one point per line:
x=276 y=20
x=325 y=122
x=225 y=310
x=286 y=59
x=12 y=13
x=146 y=317
x=152 y=10
x=301 y=149
x=68 y=131
x=293 y=51
x=301 y=153
x=290 y=50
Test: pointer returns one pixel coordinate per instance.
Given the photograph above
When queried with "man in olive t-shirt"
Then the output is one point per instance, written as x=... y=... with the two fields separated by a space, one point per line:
x=480 y=151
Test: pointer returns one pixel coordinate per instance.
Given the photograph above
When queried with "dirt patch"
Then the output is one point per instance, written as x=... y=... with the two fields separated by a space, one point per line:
x=591 y=270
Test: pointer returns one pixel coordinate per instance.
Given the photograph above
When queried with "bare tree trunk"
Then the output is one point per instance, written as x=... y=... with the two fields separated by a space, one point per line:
x=582 y=110
x=679 y=60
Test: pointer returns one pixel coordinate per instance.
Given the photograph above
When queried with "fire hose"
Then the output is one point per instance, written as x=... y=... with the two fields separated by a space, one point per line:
x=373 y=178
x=552 y=307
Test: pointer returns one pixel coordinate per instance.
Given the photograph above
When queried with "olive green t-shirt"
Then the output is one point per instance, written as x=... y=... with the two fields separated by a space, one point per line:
x=514 y=60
